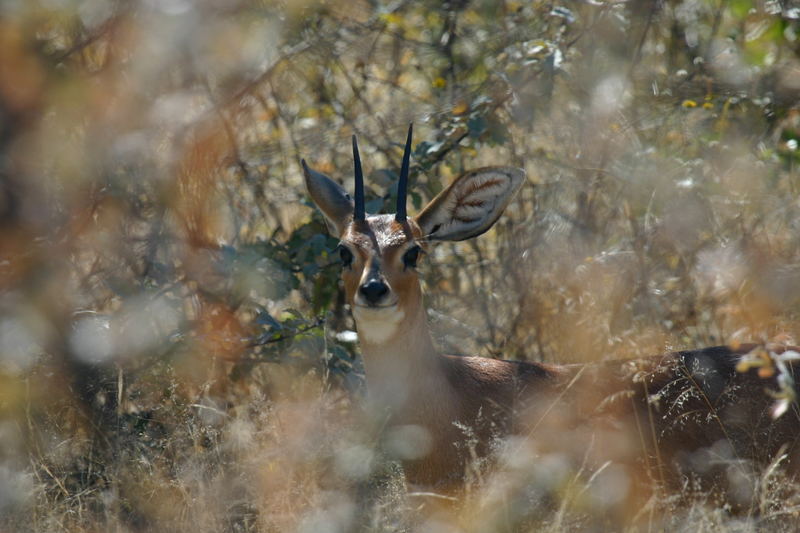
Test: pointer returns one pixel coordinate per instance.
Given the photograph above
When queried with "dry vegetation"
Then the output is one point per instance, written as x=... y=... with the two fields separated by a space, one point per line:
x=174 y=349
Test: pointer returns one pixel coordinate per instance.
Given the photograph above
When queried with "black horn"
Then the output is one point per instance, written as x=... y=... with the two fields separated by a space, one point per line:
x=402 y=186
x=358 y=213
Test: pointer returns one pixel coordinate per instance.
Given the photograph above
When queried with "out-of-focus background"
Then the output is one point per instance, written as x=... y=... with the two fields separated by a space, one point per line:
x=175 y=354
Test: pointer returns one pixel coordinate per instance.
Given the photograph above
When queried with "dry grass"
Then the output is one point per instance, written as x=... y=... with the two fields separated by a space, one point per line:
x=300 y=460
x=170 y=320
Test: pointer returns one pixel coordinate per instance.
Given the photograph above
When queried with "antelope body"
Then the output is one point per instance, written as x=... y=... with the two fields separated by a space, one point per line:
x=666 y=407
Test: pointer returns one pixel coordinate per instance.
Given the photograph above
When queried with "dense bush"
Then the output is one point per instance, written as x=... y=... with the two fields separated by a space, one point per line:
x=174 y=346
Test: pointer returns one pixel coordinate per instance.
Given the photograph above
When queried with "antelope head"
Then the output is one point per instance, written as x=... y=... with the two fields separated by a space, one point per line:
x=380 y=253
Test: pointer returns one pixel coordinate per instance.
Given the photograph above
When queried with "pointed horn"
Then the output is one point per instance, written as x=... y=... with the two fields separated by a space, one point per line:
x=358 y=212
x=402 y=186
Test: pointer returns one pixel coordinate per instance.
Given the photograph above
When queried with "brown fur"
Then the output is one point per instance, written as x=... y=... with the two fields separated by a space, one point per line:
x=674 y=411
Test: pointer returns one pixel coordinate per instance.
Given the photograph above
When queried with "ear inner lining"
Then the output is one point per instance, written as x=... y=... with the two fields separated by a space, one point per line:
x=471 y=204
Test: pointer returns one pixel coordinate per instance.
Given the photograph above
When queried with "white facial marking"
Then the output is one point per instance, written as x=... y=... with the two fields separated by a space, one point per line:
x=377 y=325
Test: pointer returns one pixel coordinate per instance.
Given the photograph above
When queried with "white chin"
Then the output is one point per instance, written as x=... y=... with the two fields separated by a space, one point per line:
x=377 y=324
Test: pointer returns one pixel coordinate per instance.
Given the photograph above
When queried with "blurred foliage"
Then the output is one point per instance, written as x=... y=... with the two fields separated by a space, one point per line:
x=174 y=347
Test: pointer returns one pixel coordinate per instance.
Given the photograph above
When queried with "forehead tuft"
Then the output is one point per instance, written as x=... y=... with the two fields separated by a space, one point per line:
x=383 y=230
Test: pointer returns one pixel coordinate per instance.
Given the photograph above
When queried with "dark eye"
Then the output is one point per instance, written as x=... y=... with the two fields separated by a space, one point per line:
x=346 y=256
x=411 y=256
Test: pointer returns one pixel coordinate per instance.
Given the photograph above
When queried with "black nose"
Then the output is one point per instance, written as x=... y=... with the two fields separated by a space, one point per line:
x=373 y=291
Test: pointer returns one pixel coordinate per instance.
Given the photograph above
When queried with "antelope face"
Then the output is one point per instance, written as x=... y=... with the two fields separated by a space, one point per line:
x=379 y=253
x=379 y=259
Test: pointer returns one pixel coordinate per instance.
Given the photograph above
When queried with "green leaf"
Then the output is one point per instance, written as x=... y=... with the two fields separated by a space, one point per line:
x=477 y=125
x=740 y=8
x=265 y=319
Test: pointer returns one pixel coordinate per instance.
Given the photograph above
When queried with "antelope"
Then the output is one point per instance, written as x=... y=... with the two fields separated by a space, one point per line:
x=678 y=405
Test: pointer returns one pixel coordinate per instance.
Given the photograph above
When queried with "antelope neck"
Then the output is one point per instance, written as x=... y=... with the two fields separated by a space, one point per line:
x=402 y=362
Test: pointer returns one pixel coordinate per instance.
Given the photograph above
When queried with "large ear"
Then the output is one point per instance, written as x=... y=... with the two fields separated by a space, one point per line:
x=330 y=198
x=471 y=204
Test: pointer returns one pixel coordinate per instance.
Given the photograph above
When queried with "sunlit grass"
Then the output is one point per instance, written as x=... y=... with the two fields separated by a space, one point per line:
x=175 y=352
